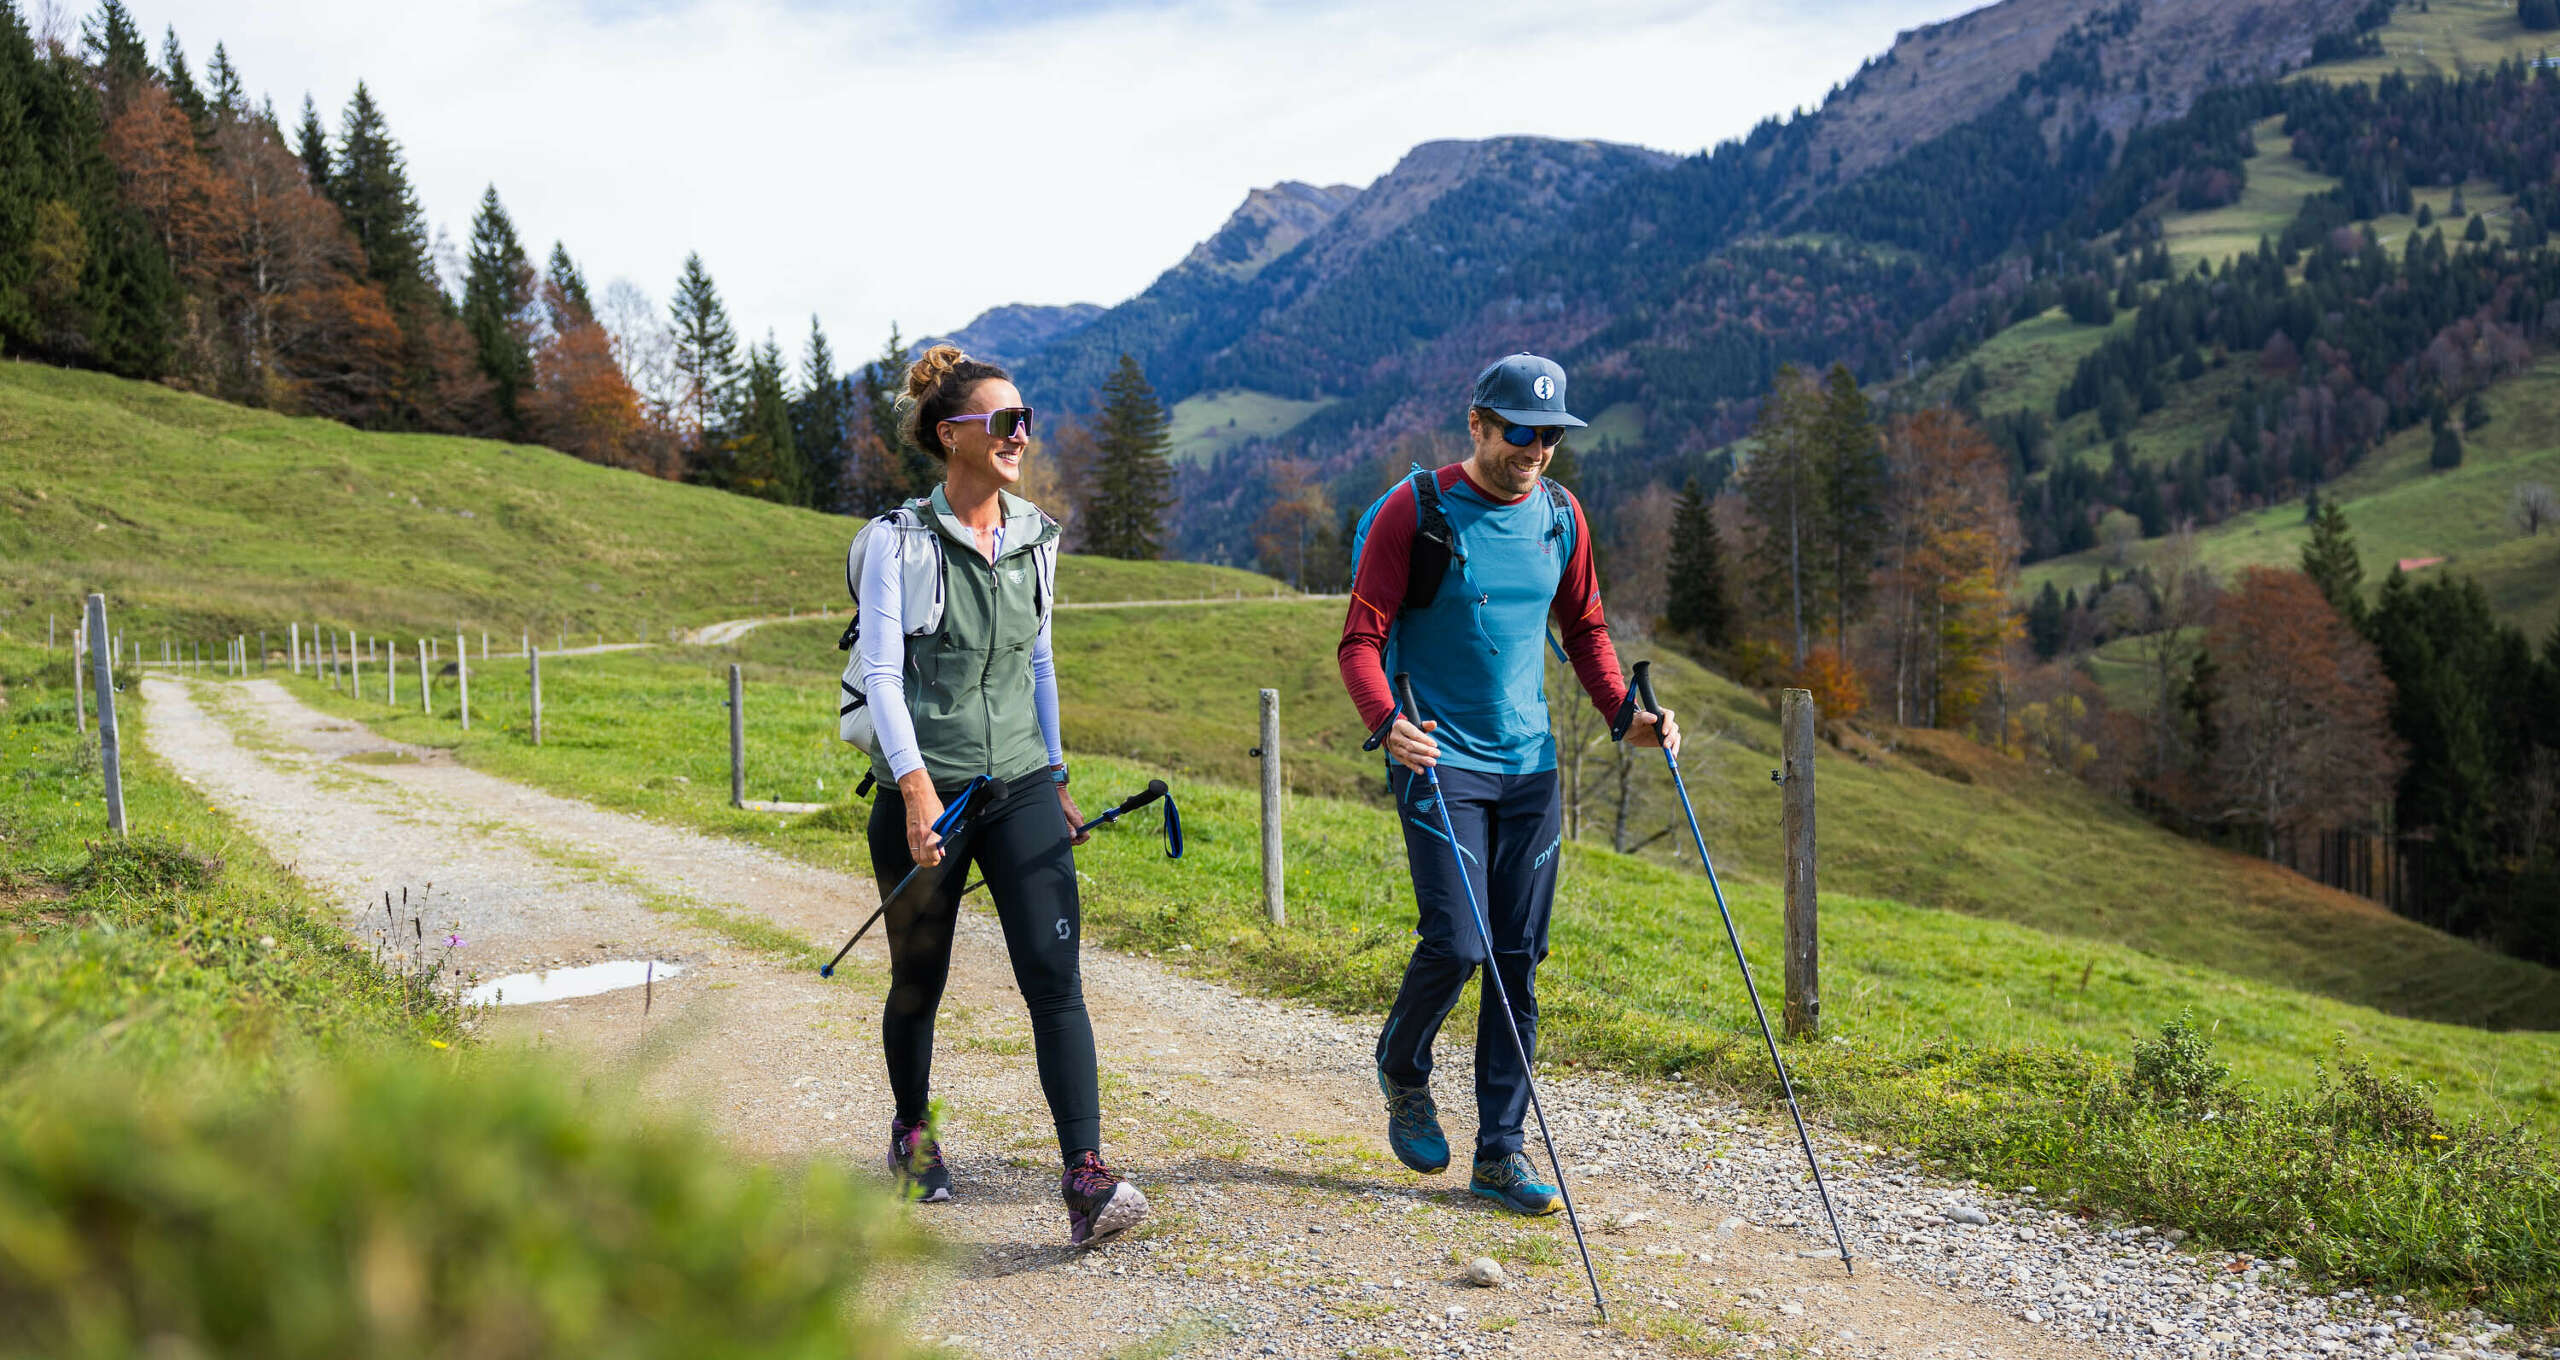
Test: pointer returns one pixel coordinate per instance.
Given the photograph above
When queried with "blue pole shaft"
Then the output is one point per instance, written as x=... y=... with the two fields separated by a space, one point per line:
x=1511 y=1027
x=1785 y=1083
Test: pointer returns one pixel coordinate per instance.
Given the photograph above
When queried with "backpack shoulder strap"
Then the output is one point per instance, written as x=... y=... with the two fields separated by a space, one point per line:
x=1434 y=546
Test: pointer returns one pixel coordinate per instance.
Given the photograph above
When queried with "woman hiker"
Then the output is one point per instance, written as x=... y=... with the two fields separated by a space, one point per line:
x=979 y=697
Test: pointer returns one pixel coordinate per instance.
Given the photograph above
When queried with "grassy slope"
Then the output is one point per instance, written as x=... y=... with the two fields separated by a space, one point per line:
x=2401 y=508
x=1213 y=422
x=211 y=519
x=2443 y=38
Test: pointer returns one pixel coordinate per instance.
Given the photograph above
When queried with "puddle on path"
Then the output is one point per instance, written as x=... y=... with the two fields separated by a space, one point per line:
x=560 y=984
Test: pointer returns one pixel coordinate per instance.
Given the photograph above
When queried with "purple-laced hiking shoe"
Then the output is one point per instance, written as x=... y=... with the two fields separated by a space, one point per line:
x=1099 y=1203
x=916 y=1160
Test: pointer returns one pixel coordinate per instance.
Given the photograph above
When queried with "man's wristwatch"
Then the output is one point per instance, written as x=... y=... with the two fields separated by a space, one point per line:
x=1058 y=775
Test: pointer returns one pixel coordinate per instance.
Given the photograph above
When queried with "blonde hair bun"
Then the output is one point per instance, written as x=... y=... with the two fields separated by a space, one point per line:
x=930 y=366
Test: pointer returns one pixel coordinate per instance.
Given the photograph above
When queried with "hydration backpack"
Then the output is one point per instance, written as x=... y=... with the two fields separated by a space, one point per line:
x=919 y=564
x=1436 y=545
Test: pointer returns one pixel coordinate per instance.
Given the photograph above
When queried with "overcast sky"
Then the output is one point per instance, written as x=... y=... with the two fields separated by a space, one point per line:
x=872 y=163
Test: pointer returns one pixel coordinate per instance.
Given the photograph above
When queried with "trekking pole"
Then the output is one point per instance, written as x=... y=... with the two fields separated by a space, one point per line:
x=1641 y=694
x=1493 y=978
x=1155 y=789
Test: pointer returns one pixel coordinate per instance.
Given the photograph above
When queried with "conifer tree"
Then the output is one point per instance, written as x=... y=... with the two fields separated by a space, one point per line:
x=183 y=90
x=370 y=185
x=497 y=309
x=764 y=462
x=2045 y=622
x=1852 y=482
x=818 y=421
x=2329 y=559
x=115 y=44
x=1124 y=516
x=706 y=362
x=878 y=473
x=222 y=87
x=568 y=299
x=311 y=143
x=1699 y=604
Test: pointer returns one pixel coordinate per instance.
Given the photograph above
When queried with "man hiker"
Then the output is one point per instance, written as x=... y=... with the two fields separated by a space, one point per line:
x=1509 y=553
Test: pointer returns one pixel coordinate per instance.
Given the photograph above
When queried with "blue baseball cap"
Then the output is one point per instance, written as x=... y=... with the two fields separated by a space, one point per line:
x=1525 y=390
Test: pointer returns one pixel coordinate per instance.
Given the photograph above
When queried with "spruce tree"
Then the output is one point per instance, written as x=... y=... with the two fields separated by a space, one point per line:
x=183 y=90
x=2329 y=559
x=116 y=47
x=2045 y=622
x=370 y=185
x=879 y=472
x=571 y=303
x=1851 y=480
x=497 y=309
x=222 y=87
x=311 y=143
x=706 y=363
x=1124 y=516
x=818 y=421
x=2446 y=452
x=764 y=462
x=1697 y=603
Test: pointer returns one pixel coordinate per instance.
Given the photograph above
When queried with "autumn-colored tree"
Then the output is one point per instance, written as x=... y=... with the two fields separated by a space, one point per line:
x=1067 y=450
x=1296 y=523
x=161 y=175
x=580 y=402
x=1949 y=562
x=291 y=263
x=2301 y=712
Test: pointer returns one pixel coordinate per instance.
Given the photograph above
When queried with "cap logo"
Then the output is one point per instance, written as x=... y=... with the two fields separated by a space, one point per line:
x=1545 y=387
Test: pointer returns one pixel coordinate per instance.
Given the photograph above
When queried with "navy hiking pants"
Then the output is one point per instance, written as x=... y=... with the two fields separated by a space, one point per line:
x=1510 y=827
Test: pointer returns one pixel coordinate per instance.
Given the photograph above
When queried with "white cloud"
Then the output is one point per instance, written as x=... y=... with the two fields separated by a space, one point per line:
x=872 y=163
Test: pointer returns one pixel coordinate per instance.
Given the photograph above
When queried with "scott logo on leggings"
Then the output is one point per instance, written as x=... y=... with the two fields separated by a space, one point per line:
x=1064 y=930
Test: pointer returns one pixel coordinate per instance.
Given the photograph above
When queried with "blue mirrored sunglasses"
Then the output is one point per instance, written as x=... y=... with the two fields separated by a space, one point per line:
x=1520 y=436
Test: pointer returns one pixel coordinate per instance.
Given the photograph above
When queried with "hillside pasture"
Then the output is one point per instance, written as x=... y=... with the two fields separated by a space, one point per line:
x=2442 y=37
x=1211 y=423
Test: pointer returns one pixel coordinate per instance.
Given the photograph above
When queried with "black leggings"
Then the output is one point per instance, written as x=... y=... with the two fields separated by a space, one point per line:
x=1020 y=844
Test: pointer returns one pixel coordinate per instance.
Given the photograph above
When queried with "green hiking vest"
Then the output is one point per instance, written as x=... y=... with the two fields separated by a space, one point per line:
x=969 y=684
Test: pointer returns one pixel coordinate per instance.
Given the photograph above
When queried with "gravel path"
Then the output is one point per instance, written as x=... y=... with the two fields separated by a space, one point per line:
x=1281 y=1227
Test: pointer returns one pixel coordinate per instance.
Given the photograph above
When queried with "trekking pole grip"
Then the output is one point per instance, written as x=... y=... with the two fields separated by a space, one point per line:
x=1639 y=698
x=1642 y=683
x=1404 y=700
x=1153 y=791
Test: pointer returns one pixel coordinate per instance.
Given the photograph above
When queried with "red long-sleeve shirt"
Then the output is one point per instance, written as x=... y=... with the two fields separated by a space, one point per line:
x=1377 y=592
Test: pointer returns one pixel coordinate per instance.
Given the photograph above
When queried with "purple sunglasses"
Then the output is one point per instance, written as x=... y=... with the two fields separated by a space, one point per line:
x=1002 y=424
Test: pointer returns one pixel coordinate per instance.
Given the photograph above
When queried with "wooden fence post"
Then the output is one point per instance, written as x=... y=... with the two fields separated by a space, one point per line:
x=394 y=698
x=737 y=742
x=1804 y=950
x=1274 y=906
x=102 y=653
x=462 y=672
x=79 y=682
x=355 y=669
x=426 y=688
x=533 y=663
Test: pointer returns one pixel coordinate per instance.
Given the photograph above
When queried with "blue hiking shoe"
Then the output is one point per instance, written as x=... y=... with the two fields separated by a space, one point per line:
x=1512 y=1183
x=1413 y=1126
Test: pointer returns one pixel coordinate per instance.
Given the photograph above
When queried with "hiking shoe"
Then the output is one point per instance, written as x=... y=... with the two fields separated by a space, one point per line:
x=1512 y=1183
x=1413 y=1125
x=1099 y=1203
x=916 y=1160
